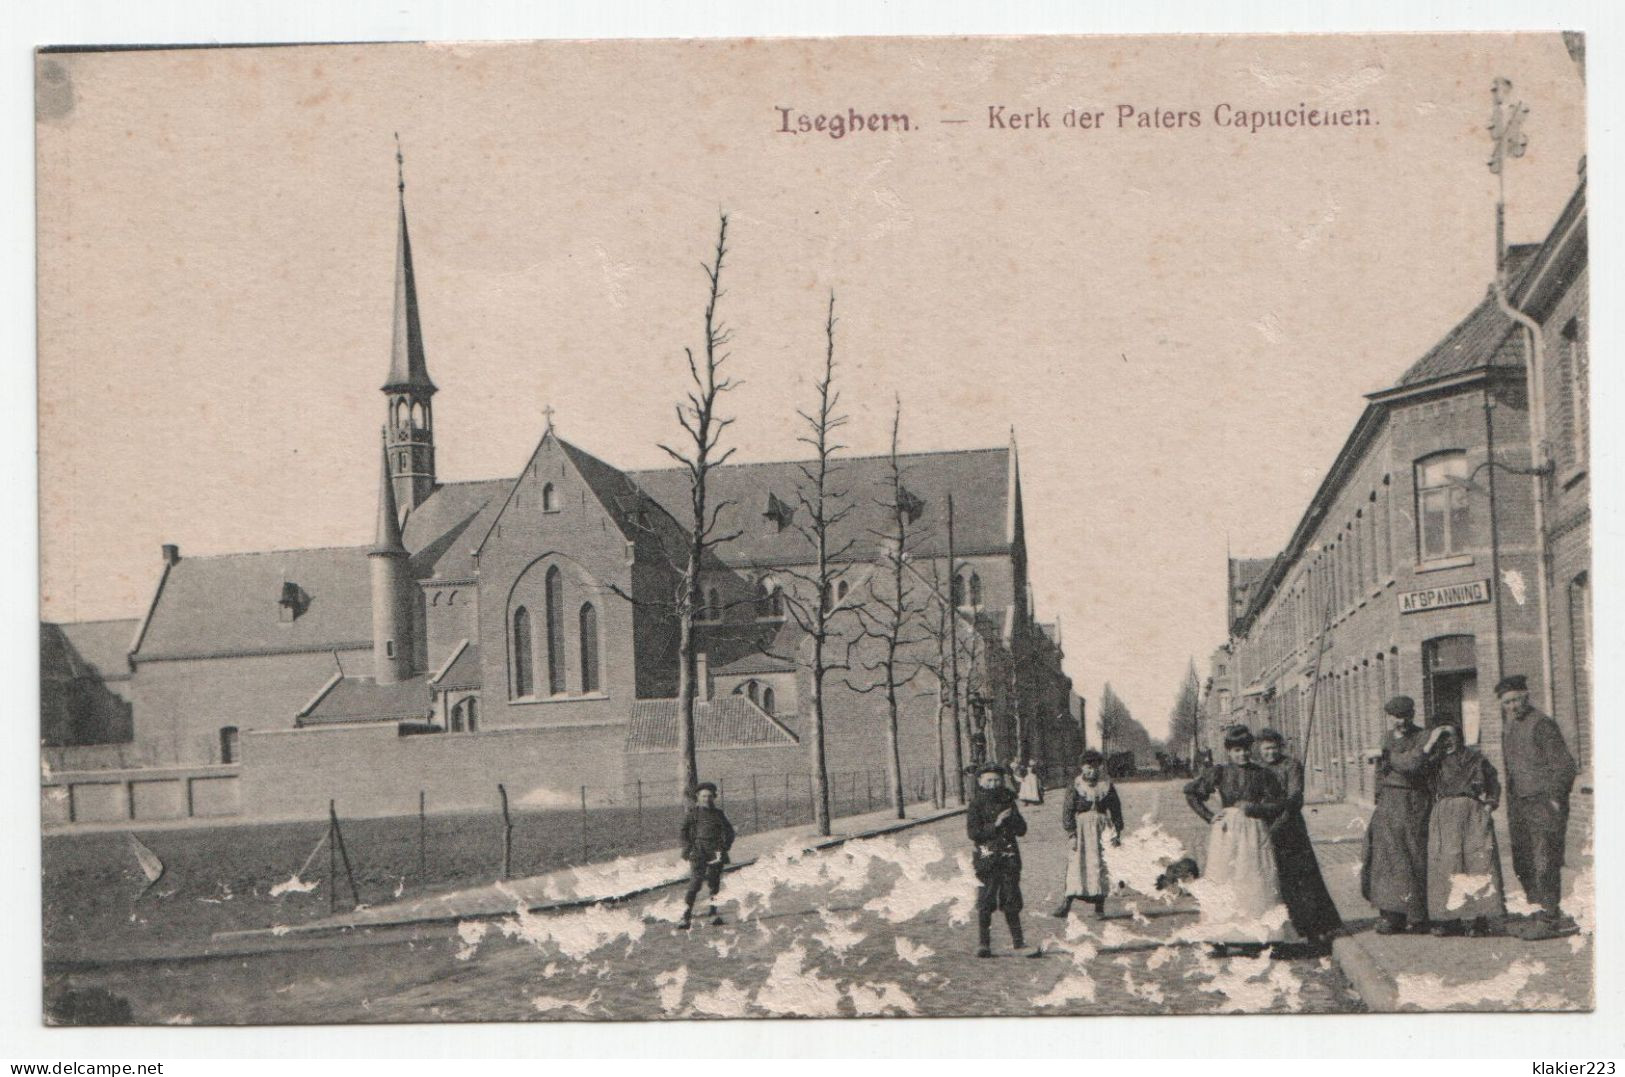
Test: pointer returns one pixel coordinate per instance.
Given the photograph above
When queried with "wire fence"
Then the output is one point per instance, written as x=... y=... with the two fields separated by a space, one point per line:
x=534 y=834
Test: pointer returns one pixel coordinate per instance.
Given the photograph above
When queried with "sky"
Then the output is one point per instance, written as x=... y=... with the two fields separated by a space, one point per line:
x=1179 y=323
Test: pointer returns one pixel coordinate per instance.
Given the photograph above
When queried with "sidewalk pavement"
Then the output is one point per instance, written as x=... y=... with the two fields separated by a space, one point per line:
x=589 y=884
x=1421 y=972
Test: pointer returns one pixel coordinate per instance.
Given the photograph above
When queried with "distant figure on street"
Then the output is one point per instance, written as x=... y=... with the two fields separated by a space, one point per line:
x=1464 y=864
x=1308 y=902
x=1241 y=897
x=1092 y=807
x=1032 y=789
x=1394 y=870
x=994 y=823
x=1540 y=776
x=707 y=837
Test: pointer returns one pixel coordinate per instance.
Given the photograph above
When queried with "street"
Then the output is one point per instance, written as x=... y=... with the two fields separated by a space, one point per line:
x=881 y=926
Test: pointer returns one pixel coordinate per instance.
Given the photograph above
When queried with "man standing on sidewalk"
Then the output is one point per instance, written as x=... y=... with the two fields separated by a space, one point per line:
x=1540 y=775
x=1394 y=872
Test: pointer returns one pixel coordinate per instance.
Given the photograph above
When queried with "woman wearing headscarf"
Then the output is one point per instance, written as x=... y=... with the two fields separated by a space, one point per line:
x=1240 y=889
x=1308 y=902
x=1091 y=808
x=1464 y=862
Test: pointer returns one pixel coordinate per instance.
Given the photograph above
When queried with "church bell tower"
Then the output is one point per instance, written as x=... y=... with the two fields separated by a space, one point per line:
x=409 y=420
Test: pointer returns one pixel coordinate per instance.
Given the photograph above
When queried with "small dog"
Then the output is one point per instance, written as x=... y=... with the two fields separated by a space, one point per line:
x=1178 y=872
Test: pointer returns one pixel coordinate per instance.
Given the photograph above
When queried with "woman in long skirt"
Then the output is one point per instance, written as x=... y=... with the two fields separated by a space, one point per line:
x=1090 y=809
x=1308 y=902
x=1240 y=888
x=1032 y=790
x=1464 y=862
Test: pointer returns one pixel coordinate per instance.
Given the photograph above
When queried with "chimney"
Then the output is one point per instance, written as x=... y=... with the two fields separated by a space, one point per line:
x=172 y=553
x=702 y=677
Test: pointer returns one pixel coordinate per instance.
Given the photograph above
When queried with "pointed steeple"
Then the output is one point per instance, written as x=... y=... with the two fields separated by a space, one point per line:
x=387 y=541
x=408 y=370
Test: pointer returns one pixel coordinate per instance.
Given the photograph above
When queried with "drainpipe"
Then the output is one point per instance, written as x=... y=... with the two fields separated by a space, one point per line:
x=1535 y=377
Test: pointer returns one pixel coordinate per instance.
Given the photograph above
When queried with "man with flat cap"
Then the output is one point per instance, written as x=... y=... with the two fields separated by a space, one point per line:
x=1394 y=872
x=1540 y=774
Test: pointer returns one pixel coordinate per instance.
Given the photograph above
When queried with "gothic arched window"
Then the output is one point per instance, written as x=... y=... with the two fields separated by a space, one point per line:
x=555 y=631
x=471 y=711
x=767 y=700
x=957 y=592
x=524 y=681
x=975 y=590
x=589 y=648
x=550 y=498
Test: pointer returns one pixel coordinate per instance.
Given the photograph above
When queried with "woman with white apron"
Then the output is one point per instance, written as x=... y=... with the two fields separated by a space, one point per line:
x=1240 y=888
x=1091 y=808
x=1032 y=790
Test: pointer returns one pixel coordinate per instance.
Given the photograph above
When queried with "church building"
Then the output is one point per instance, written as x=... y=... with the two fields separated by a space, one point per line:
x=521 y=630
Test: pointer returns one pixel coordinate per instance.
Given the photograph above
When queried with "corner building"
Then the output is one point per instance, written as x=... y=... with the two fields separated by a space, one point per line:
x=1415 y=569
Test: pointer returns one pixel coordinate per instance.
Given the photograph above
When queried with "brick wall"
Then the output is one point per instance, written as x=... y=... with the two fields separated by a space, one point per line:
x=373 y=771
x=185 y=703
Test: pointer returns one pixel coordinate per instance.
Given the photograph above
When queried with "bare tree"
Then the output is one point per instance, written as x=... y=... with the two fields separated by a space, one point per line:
x=822 y=507
x=698 y=455
x=941 y=626
x=893 y=616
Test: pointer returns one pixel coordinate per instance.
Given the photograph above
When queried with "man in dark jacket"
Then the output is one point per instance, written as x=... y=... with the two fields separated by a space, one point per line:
x=994 y=822
x=707 y=837
x=1540 y=774
x=1394 y=872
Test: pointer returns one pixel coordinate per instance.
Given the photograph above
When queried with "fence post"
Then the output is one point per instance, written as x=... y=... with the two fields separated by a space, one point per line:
x=868 y=791
x=507 y=833
x=640 y=805
x=423 y=854
x=344 y=854
x=786 y=798
x=332 y=859
x=755 y=806
x=583 y=824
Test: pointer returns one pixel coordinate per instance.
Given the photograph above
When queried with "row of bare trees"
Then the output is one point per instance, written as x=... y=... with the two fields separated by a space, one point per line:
x=907 y=626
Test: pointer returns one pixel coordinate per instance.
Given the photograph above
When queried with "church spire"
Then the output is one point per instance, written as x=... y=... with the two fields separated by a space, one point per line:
x=408 y=369
x=409 y=418
x=387 y=538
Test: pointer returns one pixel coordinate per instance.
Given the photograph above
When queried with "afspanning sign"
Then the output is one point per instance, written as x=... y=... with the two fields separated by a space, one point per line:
x=1438 y=598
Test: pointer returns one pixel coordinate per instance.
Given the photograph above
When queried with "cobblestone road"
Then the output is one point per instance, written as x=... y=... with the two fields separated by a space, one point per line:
x=880 y=926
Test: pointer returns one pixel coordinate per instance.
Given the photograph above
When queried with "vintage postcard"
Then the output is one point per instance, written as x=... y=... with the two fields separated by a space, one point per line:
x=689 y=529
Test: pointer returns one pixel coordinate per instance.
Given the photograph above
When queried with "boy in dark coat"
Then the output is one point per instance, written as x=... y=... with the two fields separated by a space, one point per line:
x=994 y=823
x=707 y=837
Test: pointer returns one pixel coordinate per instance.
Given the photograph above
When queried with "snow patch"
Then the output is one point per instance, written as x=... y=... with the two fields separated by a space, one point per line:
x=792 y=988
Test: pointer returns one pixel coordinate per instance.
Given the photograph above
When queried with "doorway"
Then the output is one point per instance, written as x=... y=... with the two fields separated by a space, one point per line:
x=1450 y=681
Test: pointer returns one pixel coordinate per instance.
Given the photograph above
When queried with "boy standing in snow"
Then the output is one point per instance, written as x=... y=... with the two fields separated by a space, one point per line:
x=707 y=837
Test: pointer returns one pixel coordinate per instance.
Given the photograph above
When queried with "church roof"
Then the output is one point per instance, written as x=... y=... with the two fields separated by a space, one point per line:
x=979 y=480
x=441 y=532
x=763 y=647
x=230 y=604
x=362 y=699
x=729 y=722
x=461 y=670
x=73 y=649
